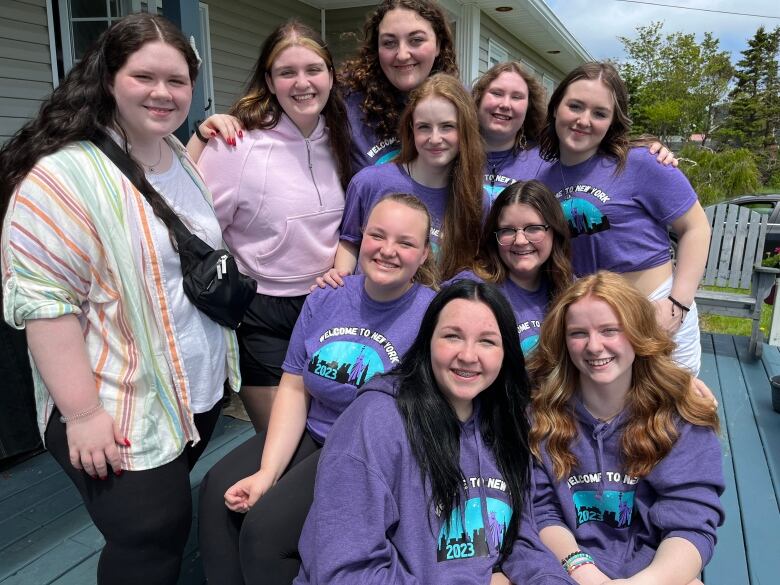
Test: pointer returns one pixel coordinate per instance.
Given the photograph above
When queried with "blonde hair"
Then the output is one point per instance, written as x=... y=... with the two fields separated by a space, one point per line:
x=427 y=274
x=259 y=108
x=463 y=218
x=660 y=393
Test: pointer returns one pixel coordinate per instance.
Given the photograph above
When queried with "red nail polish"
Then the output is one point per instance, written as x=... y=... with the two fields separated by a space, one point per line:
x=104 y=478
x=118 y=472
x=213 y=134
x=127 y=442
x=233 y=141
x=92 y=476
x=240 y=134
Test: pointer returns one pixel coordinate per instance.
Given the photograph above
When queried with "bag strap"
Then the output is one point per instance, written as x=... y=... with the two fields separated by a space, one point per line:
x=124 y=163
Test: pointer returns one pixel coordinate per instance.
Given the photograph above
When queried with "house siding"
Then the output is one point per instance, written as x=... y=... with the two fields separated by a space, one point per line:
x=25 y=65
x=344 y=31
x=489 y=28
x=238 y=28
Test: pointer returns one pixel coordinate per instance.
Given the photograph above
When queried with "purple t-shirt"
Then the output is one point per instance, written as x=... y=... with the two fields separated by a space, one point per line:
x=529 y=307
x=372 y=184
x=343 y=338
x=367 y=147
x=504 y=169
x=618 y=221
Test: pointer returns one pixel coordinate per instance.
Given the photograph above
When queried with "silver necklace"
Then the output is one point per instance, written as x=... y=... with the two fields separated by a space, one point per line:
x=567 y=194
x=152 y=166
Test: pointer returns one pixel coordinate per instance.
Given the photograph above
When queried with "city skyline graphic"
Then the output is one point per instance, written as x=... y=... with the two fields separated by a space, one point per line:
x=473 y=539
x=583 y=217
x=614 y=508
x=346 y=362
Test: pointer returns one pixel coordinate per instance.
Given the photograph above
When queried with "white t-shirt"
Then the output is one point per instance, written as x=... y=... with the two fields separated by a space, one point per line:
x=200 y=339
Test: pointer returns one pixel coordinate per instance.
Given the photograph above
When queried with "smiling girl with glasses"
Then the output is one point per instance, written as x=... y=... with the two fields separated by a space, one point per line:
x=524 y=249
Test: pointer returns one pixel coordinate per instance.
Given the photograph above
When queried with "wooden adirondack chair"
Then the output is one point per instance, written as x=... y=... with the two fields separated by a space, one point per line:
x=734 y=261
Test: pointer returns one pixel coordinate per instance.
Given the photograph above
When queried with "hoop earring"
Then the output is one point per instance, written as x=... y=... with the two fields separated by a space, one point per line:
x=523 y=143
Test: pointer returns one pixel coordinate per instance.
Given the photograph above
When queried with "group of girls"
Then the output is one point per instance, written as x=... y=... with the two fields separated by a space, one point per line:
x=434 y=452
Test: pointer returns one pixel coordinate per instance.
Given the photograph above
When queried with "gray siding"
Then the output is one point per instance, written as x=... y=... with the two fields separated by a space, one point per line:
x=25 y=65
x=344 y=31
x=238 y=28
x=518 y=51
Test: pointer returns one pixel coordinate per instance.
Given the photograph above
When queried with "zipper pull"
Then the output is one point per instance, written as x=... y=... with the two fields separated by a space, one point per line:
x=221 y=267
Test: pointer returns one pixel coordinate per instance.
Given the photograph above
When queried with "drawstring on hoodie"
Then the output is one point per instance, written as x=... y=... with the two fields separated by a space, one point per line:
x=598 y=434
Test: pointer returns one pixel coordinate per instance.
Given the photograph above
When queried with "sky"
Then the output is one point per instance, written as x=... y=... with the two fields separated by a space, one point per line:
x=597 y=23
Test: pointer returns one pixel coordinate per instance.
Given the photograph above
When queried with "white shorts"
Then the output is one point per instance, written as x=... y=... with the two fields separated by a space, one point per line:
x=688 y=338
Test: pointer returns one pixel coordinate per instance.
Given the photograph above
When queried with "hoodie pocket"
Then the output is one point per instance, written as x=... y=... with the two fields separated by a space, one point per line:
x=305 y=250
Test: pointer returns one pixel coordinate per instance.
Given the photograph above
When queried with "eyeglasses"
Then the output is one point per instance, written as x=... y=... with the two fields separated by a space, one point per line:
x=533 y=233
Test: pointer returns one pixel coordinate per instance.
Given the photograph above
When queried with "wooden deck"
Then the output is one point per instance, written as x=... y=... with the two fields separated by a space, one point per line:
x=46 y=536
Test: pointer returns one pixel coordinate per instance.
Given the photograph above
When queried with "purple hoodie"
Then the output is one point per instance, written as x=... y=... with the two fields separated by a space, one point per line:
x=371 y=522
x=619 y=519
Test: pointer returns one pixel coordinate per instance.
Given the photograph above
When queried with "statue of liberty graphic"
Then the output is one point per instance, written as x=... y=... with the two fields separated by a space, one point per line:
x=357 y=368
x=624 y=512
x=495 y=531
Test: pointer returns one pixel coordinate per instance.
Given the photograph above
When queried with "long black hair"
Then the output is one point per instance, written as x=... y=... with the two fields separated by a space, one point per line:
x=84 y=101
x=432 y=427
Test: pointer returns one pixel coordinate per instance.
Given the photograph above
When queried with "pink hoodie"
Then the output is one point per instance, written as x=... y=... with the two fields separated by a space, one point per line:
x=279 y=202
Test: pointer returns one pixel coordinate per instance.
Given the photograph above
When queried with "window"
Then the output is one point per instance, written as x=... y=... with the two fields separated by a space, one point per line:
x=82 y=21
x=549 y=86
x=496 y=53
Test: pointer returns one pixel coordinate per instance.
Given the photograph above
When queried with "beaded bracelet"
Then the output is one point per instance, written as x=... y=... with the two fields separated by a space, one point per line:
x=83 y=415
x=571 y=570
x=576 y=560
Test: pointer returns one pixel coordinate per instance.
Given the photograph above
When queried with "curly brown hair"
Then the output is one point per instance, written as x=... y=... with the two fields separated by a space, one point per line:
x=463 y=217
x=616 y=142
x=660 y=393
x=557 y=268
x=534 y=117
x=382 y=101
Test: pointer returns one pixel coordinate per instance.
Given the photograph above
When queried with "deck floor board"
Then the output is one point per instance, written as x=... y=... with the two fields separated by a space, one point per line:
x=723 y=568
x=47 y=538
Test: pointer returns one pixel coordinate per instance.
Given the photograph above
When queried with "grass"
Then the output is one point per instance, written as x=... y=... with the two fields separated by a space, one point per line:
x=735 y=325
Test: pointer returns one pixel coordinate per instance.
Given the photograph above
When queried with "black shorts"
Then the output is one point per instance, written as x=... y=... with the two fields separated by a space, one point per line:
x=264 y=336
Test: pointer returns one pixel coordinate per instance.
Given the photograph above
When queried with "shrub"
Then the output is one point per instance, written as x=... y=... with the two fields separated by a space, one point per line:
x=719 y=175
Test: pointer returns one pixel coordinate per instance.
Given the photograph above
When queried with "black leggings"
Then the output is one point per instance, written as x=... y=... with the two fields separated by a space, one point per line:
x=260 y=546
x=144 y=516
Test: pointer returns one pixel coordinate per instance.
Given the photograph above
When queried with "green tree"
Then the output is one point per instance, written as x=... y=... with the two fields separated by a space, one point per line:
x=753 y=118
x=674 y=81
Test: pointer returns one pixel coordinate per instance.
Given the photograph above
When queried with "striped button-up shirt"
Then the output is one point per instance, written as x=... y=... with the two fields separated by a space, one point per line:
x=77 y=240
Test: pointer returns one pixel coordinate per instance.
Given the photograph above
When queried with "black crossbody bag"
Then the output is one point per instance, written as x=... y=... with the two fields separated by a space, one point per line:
x=211 y=279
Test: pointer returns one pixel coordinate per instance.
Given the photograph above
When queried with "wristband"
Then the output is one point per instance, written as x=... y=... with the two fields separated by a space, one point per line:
x=82 y=415
x=200 y=136
x=575 y=560
x=679 y=305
